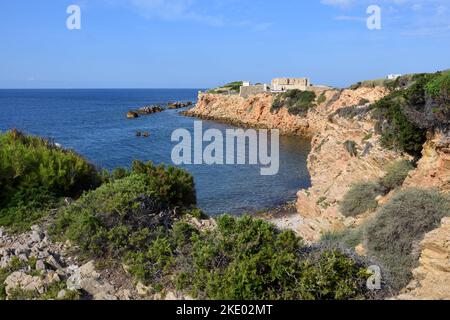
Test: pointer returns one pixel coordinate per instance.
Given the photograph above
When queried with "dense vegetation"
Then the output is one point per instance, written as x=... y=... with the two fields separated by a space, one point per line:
x=396 y=174
x=400 y=225
x=249 y=259
x=35 y=174
x=297 y=102
x=135 y=221
x=360 y=199
x=232 y=87
x=362 y=196
x=417 y=104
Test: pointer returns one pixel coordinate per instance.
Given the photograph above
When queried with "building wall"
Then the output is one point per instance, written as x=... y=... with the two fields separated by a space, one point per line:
x=250 y=90
x=283 y=84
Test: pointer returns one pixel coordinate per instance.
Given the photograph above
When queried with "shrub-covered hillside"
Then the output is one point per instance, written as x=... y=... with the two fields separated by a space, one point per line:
x=418 y=103
x=35 y=174
x=143 y=219
x=297 y=102
x=232 y=87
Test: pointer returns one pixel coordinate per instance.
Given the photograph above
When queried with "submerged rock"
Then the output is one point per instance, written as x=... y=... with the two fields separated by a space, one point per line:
x=132 y=115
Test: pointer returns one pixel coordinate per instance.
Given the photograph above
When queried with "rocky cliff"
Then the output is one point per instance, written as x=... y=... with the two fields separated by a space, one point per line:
x=334 y=167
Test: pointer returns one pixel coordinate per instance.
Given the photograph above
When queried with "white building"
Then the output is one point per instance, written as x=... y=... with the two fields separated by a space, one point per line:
x=393 y=76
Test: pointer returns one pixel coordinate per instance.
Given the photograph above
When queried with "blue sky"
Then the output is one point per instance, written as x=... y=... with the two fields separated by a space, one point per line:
x=203 y=43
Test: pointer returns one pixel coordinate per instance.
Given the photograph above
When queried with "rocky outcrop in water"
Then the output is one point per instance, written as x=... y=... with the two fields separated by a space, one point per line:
x=179 y=105
x=144 y=111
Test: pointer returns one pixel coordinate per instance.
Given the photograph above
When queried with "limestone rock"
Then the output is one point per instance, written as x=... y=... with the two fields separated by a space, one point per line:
x=432 y=277
x=23 y=281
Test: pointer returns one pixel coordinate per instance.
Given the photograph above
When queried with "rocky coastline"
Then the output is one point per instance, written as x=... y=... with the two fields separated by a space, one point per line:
x=334 y=169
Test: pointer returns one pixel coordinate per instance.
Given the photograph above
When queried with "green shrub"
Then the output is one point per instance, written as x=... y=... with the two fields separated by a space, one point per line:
x=363 y=102
x=249 y=259
x=322 y=98
x=350 y=112
x=351 y=148
x=397 y=131
x=297 y=102
x=331 y=275
x=396 y=174
x=360 y=199
x=31 y=162
x=440 y=85
x=400 y=225
x=419 y=103
x=112 y=219
x=34 y=173
x=171 y=186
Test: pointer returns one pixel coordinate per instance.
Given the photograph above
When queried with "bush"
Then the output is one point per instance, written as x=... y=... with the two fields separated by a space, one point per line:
x=397 y=131
x=247 y=259
x=396 y=174
x=297 y=102
x=171 y=186
x=118 y=216
x=400 y=225
x=351 y=112
x=34 y=173
x=419 y=103
x=360 y=199
x=322 y=98
x=351 y=148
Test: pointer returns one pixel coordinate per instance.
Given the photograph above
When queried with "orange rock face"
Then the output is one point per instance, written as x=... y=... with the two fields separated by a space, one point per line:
x=432 y=277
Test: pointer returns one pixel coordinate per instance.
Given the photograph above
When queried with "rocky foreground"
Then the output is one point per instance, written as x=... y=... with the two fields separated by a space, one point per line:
x=47 y=270
x=334 y=167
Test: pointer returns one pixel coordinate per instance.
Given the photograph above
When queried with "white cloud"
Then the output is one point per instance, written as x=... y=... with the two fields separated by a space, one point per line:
x=407 y=17
x=191 y=10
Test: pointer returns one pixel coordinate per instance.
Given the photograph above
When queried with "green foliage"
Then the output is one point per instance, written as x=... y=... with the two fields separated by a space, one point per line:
x=117 y=216
x=171 y=186
x=396 y=174
x=249 y=259
x=363 y=102
x=297 y=102
x=331 y=275
x=234 y=86
x=350 y=112
x=34 y=173
x=30 y=162
x=351 y=148
x=397 y=131
x=400 y=225
x=348 y=238
x=419 y=103
x=322 y=98
x=360 y=199
x=439 y=86
x=372 y=84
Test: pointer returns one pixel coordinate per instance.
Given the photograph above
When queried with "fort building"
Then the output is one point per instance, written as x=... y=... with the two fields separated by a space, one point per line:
x=248 y=90
x=285 y=84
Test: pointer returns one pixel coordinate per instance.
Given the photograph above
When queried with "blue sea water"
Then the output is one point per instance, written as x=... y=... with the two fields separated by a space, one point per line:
x=93 y=123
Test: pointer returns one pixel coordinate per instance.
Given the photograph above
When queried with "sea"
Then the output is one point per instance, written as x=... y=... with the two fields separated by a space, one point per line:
x=93 y=122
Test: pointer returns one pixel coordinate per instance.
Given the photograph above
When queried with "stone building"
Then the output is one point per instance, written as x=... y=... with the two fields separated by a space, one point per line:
x=284 y=84
x=249 y=90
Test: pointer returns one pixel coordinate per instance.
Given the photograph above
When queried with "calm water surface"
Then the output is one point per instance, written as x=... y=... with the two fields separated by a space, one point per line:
x=93 y=123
